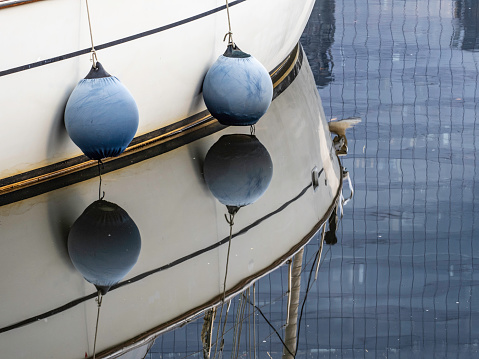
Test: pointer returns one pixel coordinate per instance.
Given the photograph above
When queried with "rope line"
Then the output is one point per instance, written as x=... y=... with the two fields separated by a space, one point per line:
x=229 y=34
x=272 y=327
x=231 y=223
x=142 y=276
x=116 y=42
x=230 y=220
x=308 y=288
x=254 y=320
x=94 y=58
x=99 y=300
x=100 y=196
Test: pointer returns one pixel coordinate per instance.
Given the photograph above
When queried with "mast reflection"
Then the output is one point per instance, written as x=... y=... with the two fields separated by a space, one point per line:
x=317 y=39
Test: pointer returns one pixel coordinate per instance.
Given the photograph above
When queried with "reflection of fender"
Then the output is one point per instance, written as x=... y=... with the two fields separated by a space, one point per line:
x=104 y=244
x=343 y=201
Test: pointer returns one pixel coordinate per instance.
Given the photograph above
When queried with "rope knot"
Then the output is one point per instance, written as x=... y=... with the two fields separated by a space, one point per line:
x=229 y=34
x=230 y=220
x=99 y=299
x=93 y=57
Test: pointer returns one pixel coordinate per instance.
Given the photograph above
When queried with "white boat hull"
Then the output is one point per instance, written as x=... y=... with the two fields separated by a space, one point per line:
x=163 y=70
x=45 y=183
x=182 y=262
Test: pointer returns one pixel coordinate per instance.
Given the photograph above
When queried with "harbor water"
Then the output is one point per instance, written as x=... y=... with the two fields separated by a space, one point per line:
x=402 y=279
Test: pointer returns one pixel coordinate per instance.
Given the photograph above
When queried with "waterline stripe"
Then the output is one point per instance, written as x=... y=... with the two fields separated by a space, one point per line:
x=44 y=179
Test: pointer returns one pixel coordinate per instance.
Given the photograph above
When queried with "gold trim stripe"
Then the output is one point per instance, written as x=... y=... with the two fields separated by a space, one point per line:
x=202 y=122
x=293 y=64
x=91 y=163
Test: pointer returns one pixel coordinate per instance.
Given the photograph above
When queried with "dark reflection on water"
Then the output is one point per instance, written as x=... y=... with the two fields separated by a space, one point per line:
x=466 y=25
x=402 y=281
x=317 y=39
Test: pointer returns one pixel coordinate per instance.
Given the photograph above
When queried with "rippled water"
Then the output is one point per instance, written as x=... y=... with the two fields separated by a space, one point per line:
x=402 y=281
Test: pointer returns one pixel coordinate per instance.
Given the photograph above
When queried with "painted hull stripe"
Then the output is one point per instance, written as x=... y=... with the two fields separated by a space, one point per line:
x=116 y=42
x=237 y=289
x=15 y=3
x=156 y=270
x=80 y=168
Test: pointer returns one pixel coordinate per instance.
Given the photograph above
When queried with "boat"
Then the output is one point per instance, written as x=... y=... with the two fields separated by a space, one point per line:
x=170 y=46
x=192 y=258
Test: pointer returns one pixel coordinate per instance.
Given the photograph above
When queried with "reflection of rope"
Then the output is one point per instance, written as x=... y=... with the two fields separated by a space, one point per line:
x=99 y=299
x=290 y=274
x=343 y=201
x=323 y=234
x=254 y=320
x=308 y=288
x=224 y=331
x=272 y=327
x=238 y=327
x=93 y=52
x=100 y=165
x=249 y=323
x=230 y=219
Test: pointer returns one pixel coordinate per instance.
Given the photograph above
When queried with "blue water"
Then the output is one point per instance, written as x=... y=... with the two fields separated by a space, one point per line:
x=402 y=281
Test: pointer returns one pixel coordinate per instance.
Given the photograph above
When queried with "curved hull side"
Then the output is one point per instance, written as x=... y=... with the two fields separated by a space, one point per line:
x=182 y=263
x=160 y=50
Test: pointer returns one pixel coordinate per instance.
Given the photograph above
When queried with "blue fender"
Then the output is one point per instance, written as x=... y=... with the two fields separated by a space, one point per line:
x=237 y=89
x=101 y=116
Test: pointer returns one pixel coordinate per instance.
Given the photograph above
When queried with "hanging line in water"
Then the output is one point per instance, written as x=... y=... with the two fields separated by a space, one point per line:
x=94 y=58
x=142 y=276
x=238 y=325
x=323 y=234
x=290 y=285
x=222 y=324
x=308 y=288
x=254 y=319
x=99 y=299
x=230 y=220
x=272 y=327
x=249 y=324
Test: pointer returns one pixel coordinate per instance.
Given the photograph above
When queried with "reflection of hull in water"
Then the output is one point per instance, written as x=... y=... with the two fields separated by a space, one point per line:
x=181 y=267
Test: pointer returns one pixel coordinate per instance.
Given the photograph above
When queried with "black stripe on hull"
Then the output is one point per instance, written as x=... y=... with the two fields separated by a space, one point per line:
x=116 y=42
x=80 y=168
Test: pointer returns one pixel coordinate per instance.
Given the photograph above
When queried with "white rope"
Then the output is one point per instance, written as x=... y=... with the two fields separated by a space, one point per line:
x=94 y=58
x=254 y=319
x=229 y=34
x=323 y=233
x=230 y=221
x=99 y=299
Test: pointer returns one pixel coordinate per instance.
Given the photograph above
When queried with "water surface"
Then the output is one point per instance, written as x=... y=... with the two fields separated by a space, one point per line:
x=402 y=281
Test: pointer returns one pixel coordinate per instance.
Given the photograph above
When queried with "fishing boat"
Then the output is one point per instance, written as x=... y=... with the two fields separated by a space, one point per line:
x=192 y=257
